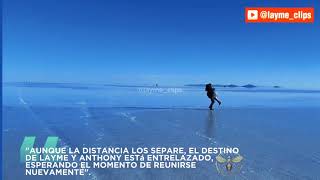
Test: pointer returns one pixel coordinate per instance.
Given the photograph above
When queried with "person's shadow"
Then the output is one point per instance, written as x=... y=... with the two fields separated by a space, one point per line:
x=210 y=125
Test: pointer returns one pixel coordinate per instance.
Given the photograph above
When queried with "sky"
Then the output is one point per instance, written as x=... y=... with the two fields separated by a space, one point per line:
x=170 y=42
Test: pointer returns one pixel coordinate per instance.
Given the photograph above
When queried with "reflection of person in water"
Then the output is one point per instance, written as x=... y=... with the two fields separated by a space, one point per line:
x=211 y=93
x=210 y=125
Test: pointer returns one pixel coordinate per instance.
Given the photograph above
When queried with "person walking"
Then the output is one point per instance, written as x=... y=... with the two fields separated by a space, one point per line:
x=212 y=95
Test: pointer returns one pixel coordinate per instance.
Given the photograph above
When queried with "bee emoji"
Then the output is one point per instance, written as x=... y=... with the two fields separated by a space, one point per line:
x=229 y=161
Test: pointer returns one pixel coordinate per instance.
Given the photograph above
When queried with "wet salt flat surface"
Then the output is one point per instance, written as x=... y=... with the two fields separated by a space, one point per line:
x=276 y=132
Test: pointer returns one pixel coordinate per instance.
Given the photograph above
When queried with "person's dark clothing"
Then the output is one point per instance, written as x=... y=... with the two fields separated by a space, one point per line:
x=211 y=95
x=212 y=102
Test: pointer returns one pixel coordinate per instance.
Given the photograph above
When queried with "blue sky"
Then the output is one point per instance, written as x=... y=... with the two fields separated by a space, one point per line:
x=166 y=42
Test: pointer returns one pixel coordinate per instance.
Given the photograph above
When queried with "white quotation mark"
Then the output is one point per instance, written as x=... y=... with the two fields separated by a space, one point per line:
x=252 y=14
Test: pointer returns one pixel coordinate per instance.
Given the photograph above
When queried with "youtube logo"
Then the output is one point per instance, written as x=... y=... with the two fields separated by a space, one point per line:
x=252 y=14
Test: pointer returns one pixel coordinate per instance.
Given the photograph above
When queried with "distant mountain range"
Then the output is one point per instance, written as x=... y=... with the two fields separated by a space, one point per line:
x=86 y=86
x=227 y=85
